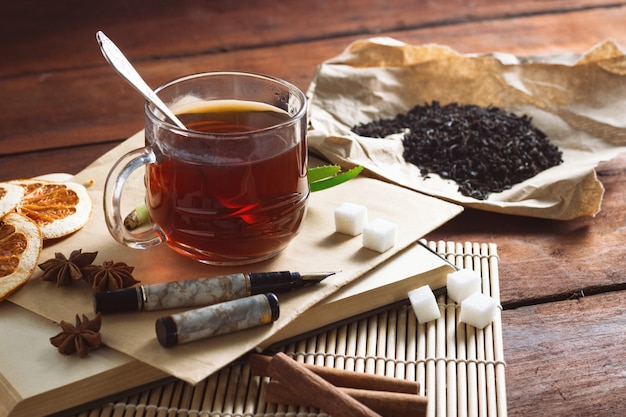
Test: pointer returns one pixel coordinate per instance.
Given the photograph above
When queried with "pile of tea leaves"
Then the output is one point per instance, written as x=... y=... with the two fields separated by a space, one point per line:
x=483 y=149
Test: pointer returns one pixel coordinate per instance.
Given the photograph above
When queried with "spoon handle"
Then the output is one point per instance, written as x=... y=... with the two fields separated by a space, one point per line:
x=118 y=61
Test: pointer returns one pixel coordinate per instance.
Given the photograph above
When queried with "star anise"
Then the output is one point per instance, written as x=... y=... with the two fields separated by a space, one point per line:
x=80 y=337
x=64 y=271
x=110 y=276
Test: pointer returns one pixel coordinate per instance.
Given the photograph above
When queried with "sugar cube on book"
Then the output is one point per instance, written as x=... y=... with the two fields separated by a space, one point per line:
x=350 y=218
x=380 y=235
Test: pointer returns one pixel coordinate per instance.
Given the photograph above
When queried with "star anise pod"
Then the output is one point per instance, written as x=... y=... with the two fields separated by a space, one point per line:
x=64 y=271
x=110 y=276
x=80 y=337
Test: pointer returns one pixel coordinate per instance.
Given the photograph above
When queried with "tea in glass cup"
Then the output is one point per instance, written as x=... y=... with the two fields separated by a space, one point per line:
x=232 y=187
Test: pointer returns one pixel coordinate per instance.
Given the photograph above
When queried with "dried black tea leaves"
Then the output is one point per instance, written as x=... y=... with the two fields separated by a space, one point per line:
x=483 y=149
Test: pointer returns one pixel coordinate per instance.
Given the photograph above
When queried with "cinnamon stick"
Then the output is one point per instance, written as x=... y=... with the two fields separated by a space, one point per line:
x=321 y=393
x=343 y=378
x=388 y=404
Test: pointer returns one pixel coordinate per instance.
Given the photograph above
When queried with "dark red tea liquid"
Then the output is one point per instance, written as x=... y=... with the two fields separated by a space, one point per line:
x=233 y=207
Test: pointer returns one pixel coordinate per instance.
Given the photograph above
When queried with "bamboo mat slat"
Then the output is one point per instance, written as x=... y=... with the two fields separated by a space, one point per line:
x=459 y=368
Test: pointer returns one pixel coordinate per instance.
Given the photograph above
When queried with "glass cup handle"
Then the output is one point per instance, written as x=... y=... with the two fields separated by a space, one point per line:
x=113 y=188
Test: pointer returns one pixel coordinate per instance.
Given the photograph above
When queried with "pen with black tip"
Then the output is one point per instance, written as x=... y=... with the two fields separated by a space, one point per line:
x=201 y=291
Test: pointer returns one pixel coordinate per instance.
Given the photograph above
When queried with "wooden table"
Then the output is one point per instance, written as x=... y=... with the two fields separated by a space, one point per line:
x=562 y=283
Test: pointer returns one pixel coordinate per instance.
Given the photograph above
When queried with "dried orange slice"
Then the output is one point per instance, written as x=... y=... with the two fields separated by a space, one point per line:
x=58 y=208
x=20 y=246
x=10 y=196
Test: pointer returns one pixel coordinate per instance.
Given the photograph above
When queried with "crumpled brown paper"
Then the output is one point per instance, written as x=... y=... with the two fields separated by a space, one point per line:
x=579 y=101
x=317 y=248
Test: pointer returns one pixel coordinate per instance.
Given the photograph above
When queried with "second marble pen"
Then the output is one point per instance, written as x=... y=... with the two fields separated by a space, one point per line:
x=201 y=291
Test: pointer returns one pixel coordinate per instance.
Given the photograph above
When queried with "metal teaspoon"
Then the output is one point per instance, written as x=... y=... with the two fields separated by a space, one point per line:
x=118 y=61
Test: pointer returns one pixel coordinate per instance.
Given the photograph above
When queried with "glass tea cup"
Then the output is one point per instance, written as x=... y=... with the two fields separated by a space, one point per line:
x=230 y=189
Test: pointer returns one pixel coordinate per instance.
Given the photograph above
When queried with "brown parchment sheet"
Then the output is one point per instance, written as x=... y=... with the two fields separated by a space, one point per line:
x=317 y=248
x=578 y=100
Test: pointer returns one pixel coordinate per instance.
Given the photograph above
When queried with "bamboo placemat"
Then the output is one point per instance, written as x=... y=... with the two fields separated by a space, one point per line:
x=459 y=368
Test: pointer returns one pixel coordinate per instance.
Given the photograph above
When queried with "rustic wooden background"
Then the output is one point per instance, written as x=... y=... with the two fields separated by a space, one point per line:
x=562 y=282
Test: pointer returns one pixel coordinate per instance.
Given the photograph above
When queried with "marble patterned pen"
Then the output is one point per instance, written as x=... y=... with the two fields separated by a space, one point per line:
x=216 y=319
x=201 y=291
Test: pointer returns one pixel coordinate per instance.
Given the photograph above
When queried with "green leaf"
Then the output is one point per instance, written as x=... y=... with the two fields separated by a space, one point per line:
x=319 y=173
x=328 y=182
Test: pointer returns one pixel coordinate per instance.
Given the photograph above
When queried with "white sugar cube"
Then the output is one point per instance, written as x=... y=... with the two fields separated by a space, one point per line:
x=380 y=235
x=424 y=304
x=462 y=283
x=478 y=310
x=350 y=218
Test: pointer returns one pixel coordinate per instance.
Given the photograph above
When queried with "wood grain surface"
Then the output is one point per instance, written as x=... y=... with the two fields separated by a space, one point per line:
x=562 y=283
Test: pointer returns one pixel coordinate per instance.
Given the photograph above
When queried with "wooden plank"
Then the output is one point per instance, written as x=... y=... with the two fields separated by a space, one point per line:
x=38 y=37
x=567 y=358
x=68 y=160
x=88 y=105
